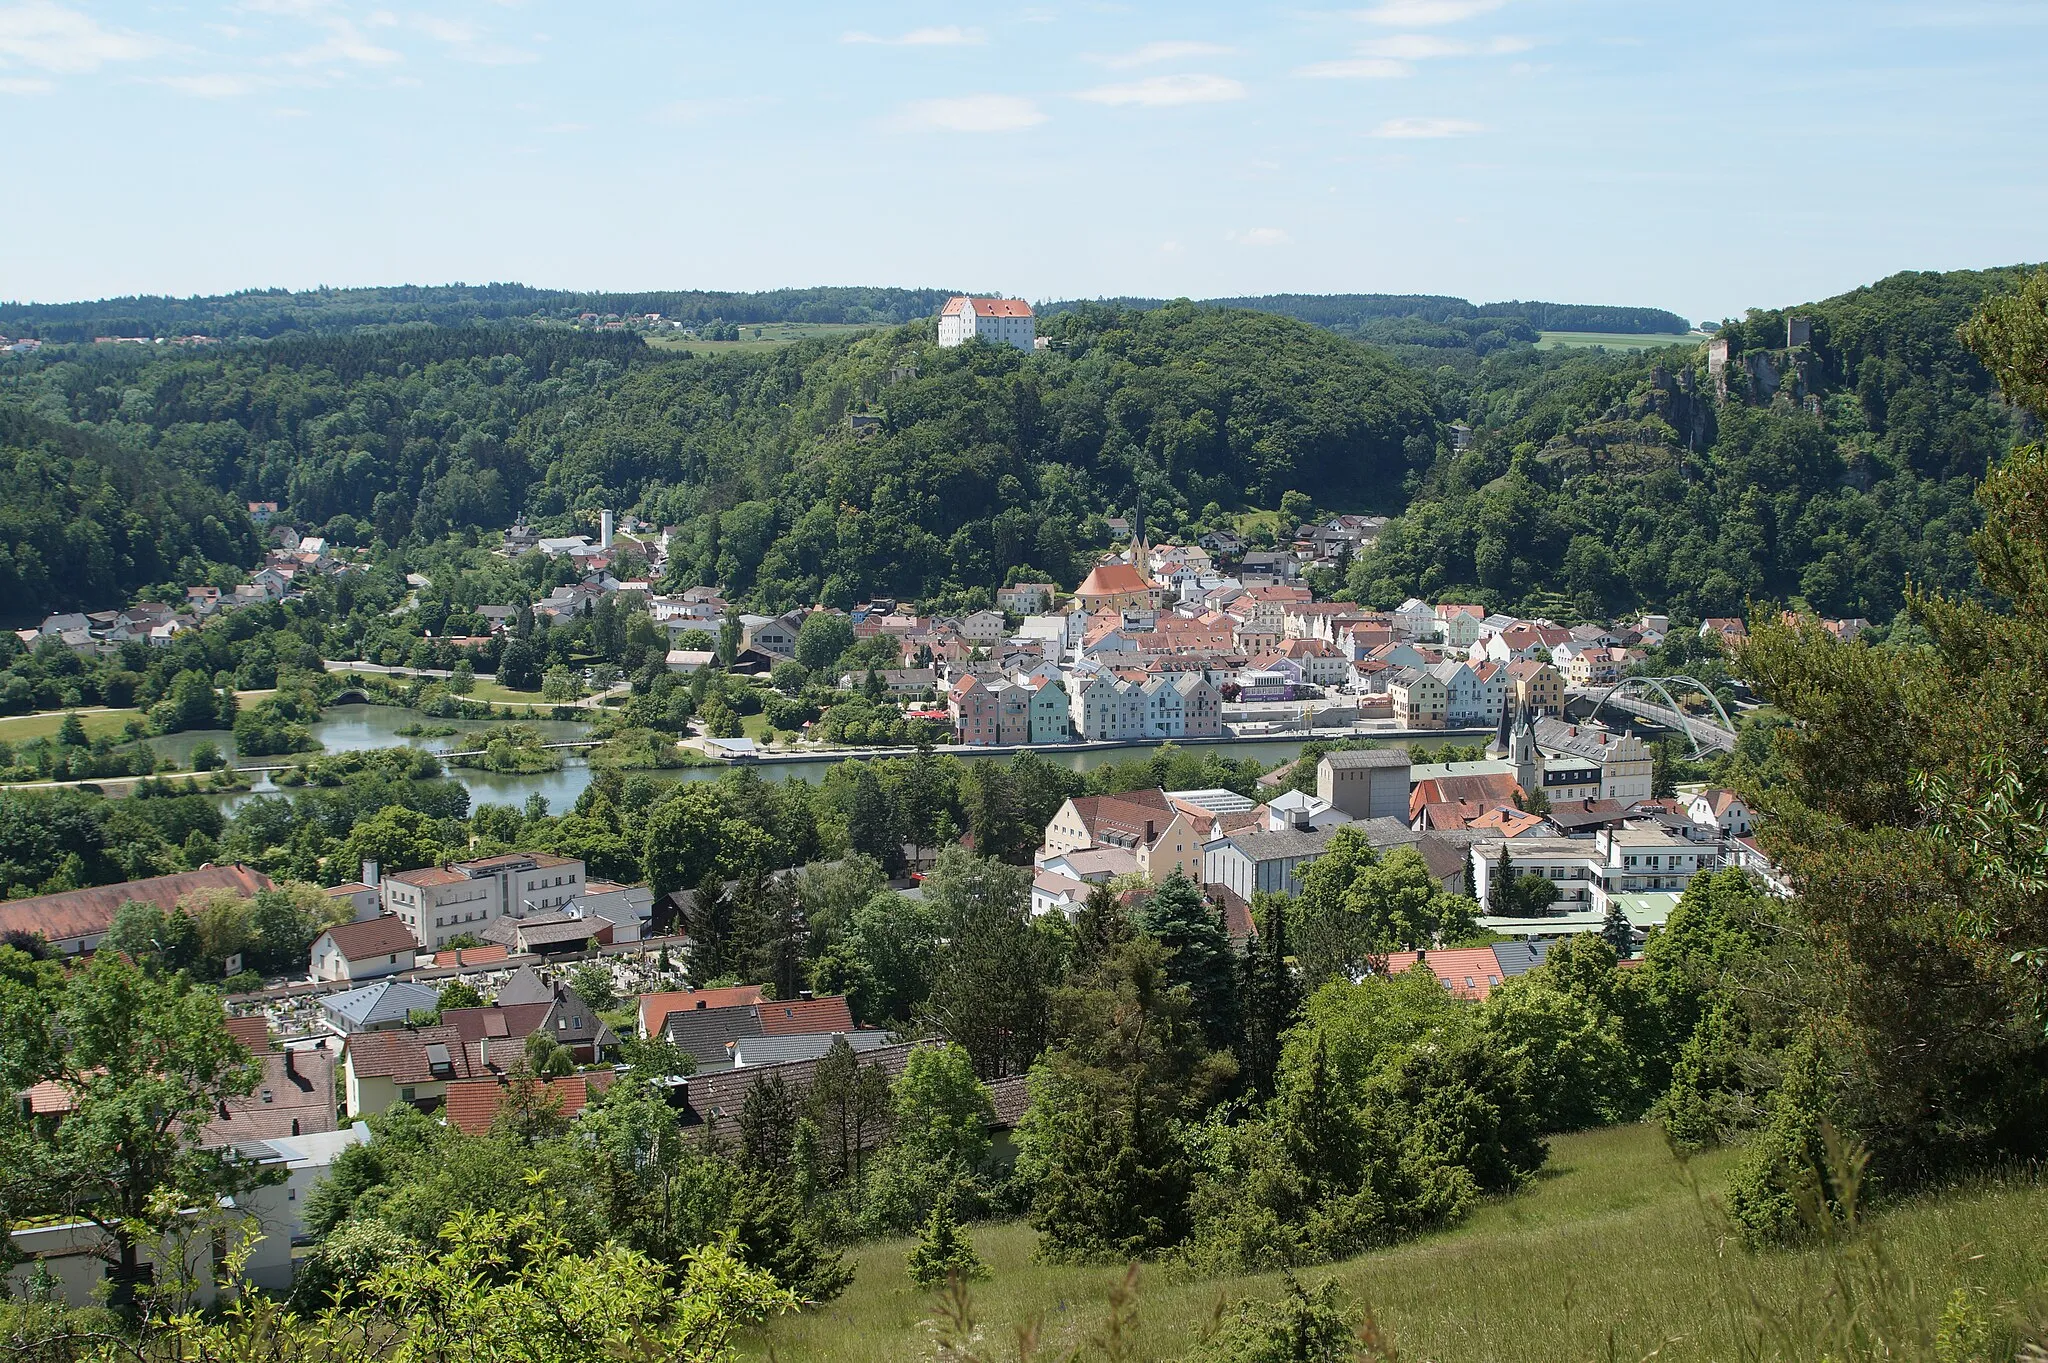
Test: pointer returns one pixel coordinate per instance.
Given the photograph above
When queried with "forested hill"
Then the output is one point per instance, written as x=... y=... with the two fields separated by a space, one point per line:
x=978 y=461
x=260 y=314
x=1830 y=475
x=264 y=313
x=1430 y=328
x=85 y=521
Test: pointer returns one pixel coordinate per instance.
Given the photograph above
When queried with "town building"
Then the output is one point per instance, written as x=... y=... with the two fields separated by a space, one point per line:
x=1370 y=783
x=1160 y=834
x=438 y=903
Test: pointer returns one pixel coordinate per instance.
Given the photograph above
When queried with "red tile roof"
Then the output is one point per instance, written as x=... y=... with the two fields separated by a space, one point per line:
x=90 y=912
x=401 y=1055
x=252 y=1031
x=806 y=1017
x=295 y=1097
x=987 y=307
x=1468 y=972
x=473 y=1103
x=655 y=1008
x=1113 y=579
x=383 y=936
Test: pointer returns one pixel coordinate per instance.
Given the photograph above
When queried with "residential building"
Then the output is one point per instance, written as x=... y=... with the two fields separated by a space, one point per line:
x=707 y=1034
x=1458 y=625
x=412 y=1065
x=1160 y=834
x=294 y=1096
x=1050 y=721
x=774 y=635
x=1026 y=598
x=655 y=1008
x=363 y=951
x=975 y=712
x=1414 y=619
x=1725 y=810
x=1201 y=706
x=376 y=1007
x=1250 y=863
x=1536 y=686
x=556 y=932
x=1052 y=892
x=1568 y=761
x=999 y=321
x=1420 y=698
x=473 y=1105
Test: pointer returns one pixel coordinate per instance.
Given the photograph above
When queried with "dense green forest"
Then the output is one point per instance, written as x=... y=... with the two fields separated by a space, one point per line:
x=1832 y=474
x=1829 y=474
x=266 y=313
x=85 y=520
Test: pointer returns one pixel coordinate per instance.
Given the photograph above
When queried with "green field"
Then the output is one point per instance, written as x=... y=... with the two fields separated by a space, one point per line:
x=490 y=690
x=1614 y=340
x=758 y=336
x=22 y=728
x=1612 y=1254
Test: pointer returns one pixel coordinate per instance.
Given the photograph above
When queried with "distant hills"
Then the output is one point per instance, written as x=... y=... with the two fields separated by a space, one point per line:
x=261 y=314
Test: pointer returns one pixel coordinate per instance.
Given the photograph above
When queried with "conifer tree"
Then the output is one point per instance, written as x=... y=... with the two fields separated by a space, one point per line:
x=943 y=1251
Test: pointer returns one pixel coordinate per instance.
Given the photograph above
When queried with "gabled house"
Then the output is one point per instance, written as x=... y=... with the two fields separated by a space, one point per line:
x=363 y=951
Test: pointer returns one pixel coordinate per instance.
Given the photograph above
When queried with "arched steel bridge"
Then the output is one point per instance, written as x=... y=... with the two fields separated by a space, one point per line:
x=1633 y=696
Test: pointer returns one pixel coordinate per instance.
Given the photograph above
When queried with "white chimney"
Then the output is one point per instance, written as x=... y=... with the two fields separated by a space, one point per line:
x=604 y=529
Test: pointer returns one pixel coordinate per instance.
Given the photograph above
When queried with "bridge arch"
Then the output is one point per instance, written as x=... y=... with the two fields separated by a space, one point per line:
x=1661 y=688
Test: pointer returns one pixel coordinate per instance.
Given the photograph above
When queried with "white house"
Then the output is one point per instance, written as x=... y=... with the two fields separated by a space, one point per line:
x=1415 y=619
x=999 y=321
x=1725 y=810
x=363 y=951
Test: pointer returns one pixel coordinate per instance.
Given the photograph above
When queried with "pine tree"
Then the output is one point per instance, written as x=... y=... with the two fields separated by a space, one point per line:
x=1183 y=921
x=1500 y=892
x=1268 y=998
x=943 y=1251
x=1620 y=934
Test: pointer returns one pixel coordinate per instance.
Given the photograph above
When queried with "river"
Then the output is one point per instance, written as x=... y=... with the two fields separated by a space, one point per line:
x=355 y=728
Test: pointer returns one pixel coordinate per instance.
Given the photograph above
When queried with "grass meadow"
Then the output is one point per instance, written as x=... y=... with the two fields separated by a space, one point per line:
x=24 y=728
x=1616 y=1252
x=756 y=336
x=1614 y=340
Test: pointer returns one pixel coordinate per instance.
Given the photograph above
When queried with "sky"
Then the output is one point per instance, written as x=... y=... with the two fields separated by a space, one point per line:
x=1702 y=158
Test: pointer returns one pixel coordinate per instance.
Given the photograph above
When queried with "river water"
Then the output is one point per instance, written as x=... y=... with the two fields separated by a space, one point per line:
x=356 y=728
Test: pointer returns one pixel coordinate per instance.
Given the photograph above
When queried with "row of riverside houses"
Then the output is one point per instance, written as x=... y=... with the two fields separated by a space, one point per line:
x=1601 y=852
x=284 y=572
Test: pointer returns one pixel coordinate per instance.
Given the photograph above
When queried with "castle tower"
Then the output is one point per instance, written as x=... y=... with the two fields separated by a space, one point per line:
x=1523 y=752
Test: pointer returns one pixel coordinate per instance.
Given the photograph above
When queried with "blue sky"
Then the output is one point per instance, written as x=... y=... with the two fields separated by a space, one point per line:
x=1699 y=157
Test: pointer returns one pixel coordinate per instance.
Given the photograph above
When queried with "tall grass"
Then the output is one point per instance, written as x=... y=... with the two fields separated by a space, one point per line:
x=1616 y=1253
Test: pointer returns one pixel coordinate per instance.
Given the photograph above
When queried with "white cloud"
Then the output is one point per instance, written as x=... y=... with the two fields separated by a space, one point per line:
x=25 y=85
x=1427 y=127
x=1260 y=236
x=62 y=41
x=969 y=114
x=950 y=35
x=1426 y=13
x=1356 y=68
x=1160 y=91
x=219 y=85
x=1168 y=51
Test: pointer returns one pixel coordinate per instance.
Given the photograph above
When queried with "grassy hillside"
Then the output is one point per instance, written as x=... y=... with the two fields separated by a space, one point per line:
x=1612 y=1254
